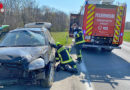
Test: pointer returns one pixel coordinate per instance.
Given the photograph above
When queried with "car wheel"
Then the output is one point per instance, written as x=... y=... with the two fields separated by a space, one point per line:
x=49 y=76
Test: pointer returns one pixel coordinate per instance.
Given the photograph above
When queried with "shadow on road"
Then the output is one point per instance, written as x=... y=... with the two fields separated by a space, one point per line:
x=105 y=67
x=24 y=87
x=61 y=75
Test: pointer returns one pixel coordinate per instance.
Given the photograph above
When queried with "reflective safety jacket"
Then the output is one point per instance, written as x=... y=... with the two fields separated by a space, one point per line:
x=62 y=54
x=79 y=37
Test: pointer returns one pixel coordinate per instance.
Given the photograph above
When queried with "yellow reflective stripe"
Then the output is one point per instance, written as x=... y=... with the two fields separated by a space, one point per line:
x=80 y=32
x=75 y=66
x=68 y=54
x=121 y=13
x=89 y=25
x=69 y=49
x=77 y=35
x=61 y=49
x=91 y=10
x=90 y=33
x=80 y=42
x=80 y=53
x=117 y=32
x=116 y=37
x=90 y=20
x=90 y=6
x=60 y=57
x=118 y=22
x=93 y=7
x=90 y=15
x=119 y=17
x=114 y=40
x=89 y=29
x=117 y=27
x=121 y=7
x=67 y=61
x=57 y=58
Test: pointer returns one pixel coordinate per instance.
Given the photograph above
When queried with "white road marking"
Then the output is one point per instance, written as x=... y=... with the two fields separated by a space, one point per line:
x=87 y=82
x=83 y=68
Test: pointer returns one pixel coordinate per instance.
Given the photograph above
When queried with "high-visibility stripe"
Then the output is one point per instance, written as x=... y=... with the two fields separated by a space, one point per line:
x=91 y=9
x=66 y=61
x=90 y=20
x=90 y=33
x=91 y=15
x=89 y=25
x=61 y=49
x=90 y=6
x=119 y=17
x=117 y=33
x=89 y=29
x=121 y=13
x=80 y=42
x=118 y=24
x=117 y=27
x=75 y=66
x=57 y=58
x=81 y=32
x=116 y=37
x=121 y=8
x=77 y=35
x=69 y=50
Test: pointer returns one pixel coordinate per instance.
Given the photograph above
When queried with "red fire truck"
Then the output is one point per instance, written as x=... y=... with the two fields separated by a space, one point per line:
x=102 y=25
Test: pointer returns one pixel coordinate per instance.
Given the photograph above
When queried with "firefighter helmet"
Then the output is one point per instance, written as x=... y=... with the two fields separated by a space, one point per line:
x=58 y=43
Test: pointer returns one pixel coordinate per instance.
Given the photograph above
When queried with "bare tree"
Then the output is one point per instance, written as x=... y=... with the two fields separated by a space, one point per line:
x=19 y=12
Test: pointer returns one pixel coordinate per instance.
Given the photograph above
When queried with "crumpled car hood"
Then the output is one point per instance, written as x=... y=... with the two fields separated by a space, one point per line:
x=8 y=54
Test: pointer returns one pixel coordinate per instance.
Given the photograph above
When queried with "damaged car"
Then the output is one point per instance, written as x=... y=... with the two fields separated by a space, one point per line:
x=25 y=54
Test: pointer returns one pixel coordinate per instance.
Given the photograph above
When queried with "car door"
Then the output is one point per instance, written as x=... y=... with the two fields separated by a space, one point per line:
x=51 y=51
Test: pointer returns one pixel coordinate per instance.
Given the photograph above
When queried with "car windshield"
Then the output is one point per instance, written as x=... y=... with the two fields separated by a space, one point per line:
x=23 y=38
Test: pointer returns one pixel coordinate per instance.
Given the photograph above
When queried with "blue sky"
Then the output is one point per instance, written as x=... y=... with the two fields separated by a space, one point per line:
x=73 y=6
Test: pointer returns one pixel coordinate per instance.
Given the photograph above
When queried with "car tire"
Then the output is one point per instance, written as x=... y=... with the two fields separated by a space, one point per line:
x=49 y=76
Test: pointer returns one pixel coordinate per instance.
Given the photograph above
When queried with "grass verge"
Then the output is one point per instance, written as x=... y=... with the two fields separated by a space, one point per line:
x=127 y=36
x=62 y=37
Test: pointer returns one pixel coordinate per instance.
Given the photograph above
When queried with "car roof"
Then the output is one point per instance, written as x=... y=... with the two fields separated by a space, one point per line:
x=29 y=29
x=38 y=25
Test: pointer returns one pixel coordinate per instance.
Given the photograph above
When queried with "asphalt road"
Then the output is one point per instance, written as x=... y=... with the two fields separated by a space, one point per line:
x=98 y=71
x=108 y=71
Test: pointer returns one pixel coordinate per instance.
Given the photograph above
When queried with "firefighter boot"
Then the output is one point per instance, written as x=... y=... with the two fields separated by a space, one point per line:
x=71 y=70
x=58 y=68
x=79 y=60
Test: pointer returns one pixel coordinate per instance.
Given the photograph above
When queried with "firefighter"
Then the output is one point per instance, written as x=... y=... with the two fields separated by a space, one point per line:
x=66 y=62
x=79 y=40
